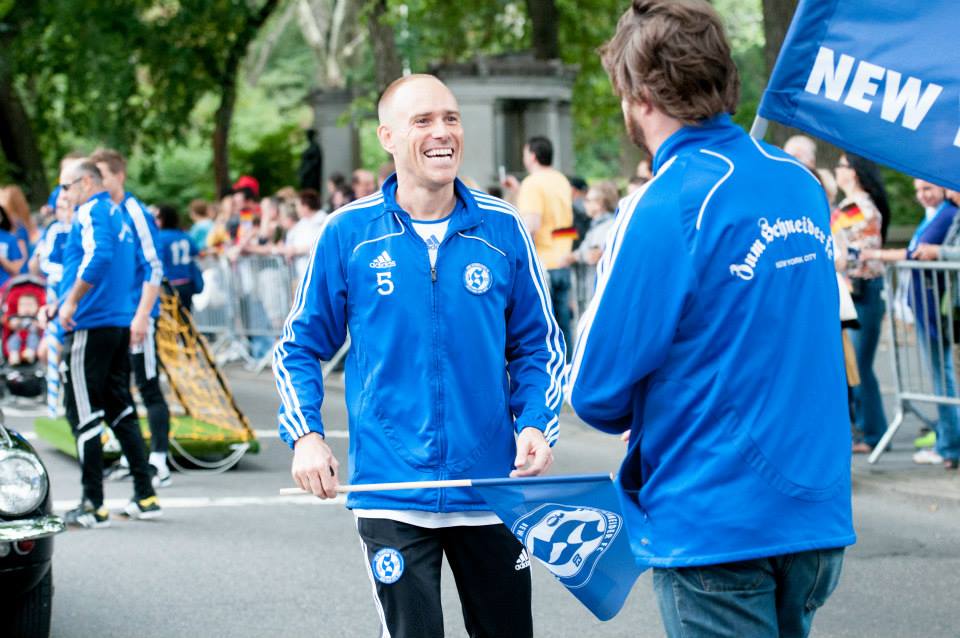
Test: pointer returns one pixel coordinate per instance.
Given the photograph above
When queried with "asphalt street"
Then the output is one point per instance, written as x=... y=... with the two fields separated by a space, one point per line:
x=232 y=558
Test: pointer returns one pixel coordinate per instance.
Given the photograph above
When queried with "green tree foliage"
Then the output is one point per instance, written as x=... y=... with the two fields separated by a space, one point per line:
x=125 y=73
x=210 y=38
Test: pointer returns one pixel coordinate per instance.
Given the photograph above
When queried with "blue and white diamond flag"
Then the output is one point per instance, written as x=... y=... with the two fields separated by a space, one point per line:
x=574 y=526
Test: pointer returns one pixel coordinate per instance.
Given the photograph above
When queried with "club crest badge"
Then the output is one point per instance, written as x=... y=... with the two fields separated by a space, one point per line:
x=388 y=565
x=477 y=278
x=568 y=540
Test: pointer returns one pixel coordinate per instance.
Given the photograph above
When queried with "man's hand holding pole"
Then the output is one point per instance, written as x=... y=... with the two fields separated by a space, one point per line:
x=534 y=456
x=314 y=466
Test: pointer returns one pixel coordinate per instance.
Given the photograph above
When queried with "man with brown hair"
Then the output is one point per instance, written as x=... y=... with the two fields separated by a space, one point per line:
x=713 y=340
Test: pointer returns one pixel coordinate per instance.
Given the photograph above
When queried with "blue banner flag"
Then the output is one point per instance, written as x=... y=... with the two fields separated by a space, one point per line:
x=878 y=78
x=574 y=526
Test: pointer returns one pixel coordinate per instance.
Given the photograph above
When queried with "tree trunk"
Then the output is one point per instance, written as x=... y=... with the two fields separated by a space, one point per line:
x=546 y=42
x=777 y=15
x=332 y=30
x=227 y=79
x=18 y=142
x=221 y=136
x=386 y=59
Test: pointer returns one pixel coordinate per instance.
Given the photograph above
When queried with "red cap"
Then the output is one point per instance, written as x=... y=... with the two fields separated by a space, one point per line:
x=246 y=181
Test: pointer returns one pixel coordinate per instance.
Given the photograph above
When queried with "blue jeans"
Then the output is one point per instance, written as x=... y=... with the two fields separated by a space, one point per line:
x=560 y=298
x=868 y=404
x=765 y=597
x=945 y=385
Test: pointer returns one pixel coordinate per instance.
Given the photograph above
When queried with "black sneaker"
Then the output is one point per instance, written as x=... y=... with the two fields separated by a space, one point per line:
x=144 y=508
x=86 y=515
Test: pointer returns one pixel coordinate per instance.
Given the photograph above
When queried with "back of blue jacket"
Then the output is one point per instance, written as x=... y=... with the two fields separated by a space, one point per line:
x=714 y=338
x=178 y=254
x=149 y=265
x=101 y=251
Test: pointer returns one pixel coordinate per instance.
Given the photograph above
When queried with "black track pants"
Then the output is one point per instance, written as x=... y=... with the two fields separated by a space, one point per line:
x=490 y=567
x=96 y=383
x=146 y=373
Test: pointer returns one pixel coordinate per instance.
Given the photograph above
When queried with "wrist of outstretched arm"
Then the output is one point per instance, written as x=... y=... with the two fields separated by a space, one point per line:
x=295 y=435
x=543 y=424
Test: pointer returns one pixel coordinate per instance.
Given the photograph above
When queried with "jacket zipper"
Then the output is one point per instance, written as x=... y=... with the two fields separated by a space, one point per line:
x=437 y=399
x=438 y=388
x=438 y=406
x=441 y=432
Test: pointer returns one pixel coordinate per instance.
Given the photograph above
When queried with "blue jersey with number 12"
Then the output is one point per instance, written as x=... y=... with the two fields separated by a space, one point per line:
x=177 y=253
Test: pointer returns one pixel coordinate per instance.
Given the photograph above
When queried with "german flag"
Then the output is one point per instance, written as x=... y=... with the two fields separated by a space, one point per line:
x=846 y=217
x=565 y=233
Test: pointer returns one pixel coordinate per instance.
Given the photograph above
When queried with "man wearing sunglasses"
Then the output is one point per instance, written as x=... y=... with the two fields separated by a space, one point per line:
x=96 y=309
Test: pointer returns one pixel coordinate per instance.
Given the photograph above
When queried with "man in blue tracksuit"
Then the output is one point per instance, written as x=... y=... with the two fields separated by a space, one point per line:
x=96 y=308
x=455 y=370
x=143 y=333
x=713 y=339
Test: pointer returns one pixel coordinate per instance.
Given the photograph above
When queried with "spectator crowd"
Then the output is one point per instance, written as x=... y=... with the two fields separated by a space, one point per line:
x=568 y=219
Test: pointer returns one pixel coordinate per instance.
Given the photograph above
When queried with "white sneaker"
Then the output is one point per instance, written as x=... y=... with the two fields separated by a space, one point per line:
x=161 y=476
x=927 y=457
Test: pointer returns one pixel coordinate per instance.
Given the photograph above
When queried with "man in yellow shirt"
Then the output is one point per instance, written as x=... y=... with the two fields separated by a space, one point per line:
x=545 y=203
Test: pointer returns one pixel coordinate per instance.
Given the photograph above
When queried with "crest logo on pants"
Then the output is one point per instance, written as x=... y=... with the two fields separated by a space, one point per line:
x=388 y=565
x=568 y=540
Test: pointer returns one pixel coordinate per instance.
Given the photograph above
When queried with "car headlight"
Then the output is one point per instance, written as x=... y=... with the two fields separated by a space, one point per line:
x=23 y=482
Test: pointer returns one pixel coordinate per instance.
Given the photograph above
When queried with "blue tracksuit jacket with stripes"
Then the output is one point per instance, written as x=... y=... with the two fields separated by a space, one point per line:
x=149 y=265
x=714 y=338
x=446 y=363
x=101 y=251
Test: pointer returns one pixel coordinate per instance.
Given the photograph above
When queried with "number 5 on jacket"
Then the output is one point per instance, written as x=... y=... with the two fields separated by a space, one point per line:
x=384 y=283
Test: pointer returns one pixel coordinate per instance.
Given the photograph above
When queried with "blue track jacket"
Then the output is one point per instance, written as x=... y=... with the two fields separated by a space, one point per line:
x=445 y=362
x=149 y=265
x=50 y=250
x=713 y=337
x=100 y=250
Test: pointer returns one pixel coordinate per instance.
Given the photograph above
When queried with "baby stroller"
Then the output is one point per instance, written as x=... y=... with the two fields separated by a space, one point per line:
x=22 y=371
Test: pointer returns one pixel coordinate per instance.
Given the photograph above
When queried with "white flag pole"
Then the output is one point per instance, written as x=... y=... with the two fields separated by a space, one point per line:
x=383 y=487
x=759 y=128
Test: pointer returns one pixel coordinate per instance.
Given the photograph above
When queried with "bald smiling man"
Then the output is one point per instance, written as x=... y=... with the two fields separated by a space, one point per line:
x=439 y=286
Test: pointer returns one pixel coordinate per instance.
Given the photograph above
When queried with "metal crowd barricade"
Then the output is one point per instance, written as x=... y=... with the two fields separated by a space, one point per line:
x=213 y=309
x=922 y=309
x=264 y=297
x=243 y=306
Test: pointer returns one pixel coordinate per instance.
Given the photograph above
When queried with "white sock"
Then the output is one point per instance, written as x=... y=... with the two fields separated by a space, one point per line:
x=158 y=459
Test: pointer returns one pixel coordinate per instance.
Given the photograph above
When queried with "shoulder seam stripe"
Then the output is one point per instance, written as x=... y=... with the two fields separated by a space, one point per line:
x=785 y=160
x=611 y=251
x=729 y=172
